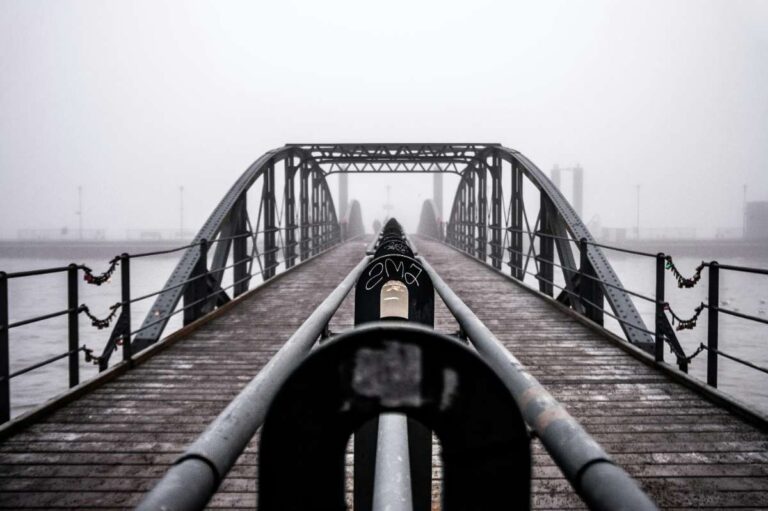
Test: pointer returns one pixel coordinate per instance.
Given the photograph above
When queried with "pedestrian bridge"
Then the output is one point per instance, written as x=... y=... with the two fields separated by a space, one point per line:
x=273 y=281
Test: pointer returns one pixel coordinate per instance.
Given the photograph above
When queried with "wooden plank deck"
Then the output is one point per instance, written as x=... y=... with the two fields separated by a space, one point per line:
x=686 y=452
x=106 y=449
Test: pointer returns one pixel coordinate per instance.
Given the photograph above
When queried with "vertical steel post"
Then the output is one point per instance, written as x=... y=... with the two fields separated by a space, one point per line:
x=517 y=216
x=343 y=196
x=471 y=215
x=585 y=284
x=5 y=384
x=324 y=215
x=125 y=288
x=290 y=213
x=659 y=348
x=304 y=209
x=546 y=249
x=240 y=247
x=270 y=224
x=73 y=325
x=315 y=215
x=482 y=212
x=589 y=288
x=496 y=208
x=197 y=289
x=712 y=322
x=461 y=214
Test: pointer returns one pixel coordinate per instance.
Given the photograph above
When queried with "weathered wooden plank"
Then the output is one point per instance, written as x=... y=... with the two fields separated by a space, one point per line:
x=106 y=449
x=686 y=452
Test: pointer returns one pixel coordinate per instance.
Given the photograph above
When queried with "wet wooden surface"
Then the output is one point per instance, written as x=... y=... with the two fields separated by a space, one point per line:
x=686 y=452
x=107 y=449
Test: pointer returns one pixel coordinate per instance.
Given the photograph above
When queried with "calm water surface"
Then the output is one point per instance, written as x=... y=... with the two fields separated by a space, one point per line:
x=39 y=295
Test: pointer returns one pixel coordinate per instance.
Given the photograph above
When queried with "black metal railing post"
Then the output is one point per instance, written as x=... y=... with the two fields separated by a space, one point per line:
x=196 y=291
x=712 y=322
x=659 y=347
x=5 y=384
x=546 y=271
x=125 y=287
x=304 y=211
x=590 y=293
x=584 y=283
x=270 y=222
x=73 y=324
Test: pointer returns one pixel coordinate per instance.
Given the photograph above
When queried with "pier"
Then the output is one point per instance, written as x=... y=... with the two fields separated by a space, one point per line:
x=624 y=403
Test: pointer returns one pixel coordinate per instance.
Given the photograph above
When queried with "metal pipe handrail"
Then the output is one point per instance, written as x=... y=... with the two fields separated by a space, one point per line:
x=736 y=314
x=38 y=318
x=392 y=473
x=45 y=362
x=196 y=475
x=32 y=273
x=577 y=271
x=598 y=480
x=589 y=302
x=745 y=269
x=716 y=351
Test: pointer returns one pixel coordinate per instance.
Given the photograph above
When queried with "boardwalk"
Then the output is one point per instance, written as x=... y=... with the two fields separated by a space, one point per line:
x=685 y=452
x=106 y=449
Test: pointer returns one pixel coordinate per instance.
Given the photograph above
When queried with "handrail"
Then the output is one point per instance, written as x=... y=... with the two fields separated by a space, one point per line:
x=588 y=275
x=208 y=460
x=590 y=470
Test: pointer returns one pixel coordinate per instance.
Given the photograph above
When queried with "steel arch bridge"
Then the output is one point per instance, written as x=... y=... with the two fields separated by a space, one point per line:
x=505 y=212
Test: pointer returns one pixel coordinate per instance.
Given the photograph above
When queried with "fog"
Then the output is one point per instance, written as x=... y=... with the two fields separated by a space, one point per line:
x=131 y=100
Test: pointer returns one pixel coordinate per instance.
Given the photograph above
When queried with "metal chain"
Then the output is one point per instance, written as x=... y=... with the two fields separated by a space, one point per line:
x=89 y=356
x=101 y=323
x=685 y=324
x=695 y=353
x=683 y=282
x=98 y=280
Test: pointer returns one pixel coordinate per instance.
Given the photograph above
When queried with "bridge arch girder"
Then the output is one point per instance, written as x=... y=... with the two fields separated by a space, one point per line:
x=289 y=215
x=489 y=224
x=476 y=224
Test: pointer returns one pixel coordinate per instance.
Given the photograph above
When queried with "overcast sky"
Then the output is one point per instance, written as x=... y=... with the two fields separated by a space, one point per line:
x=133 y=99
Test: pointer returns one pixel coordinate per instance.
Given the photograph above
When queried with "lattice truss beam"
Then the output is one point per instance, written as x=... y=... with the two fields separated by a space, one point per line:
x=394 y=158
x=279 y=212
x=507 y=212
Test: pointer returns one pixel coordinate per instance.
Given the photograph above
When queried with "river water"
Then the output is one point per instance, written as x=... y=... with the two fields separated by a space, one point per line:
x=34 y=296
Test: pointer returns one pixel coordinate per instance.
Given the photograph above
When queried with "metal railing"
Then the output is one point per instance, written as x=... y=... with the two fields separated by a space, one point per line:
x=123 y=334
x=197 y=474
x=72 y=312
x=663 y=333
x=589 y=469
x=207 y=461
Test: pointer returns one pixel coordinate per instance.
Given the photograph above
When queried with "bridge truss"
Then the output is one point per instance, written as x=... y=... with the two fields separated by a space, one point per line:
x=279 y=212
x=493 y=218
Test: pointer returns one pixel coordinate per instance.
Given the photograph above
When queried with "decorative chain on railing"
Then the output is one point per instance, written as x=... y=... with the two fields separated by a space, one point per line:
x=695 y=353
x=89 y=356
x=98 y=322
x=683 y=282
x=98 y=280
x=685 y=324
